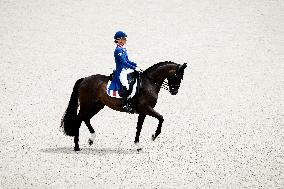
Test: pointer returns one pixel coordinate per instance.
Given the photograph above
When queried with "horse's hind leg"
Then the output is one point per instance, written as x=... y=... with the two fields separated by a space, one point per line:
x=76 y=139
x=96 y=109
x=92 y=131
x=81 y=117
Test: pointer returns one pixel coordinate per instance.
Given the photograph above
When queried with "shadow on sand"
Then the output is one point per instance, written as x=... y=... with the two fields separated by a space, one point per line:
x=90 y=151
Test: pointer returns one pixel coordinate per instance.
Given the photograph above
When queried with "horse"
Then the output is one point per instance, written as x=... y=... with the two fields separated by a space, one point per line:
x=90 y=93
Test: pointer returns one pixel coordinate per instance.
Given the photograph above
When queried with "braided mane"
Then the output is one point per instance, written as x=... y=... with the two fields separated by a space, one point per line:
x=155 y=66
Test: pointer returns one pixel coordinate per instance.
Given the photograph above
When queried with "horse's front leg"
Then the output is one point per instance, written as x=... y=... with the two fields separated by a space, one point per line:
x=153 y=113
x=159 y=128
x=140 y=122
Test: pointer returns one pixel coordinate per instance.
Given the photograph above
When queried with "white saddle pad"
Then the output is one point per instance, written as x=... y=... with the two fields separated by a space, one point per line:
x=115 y=94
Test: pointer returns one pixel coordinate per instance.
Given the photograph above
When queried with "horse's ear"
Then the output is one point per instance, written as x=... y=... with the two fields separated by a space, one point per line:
x=183 y=66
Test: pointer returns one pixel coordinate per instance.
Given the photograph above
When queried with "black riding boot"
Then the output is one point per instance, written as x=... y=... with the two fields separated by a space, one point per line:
x=126 y=104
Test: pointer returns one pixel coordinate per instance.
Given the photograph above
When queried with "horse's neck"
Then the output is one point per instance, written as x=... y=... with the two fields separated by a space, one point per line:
x=162 y=72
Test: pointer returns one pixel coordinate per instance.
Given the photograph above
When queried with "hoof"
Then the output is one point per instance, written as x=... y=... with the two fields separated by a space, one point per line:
x=153 y=137
x=139 y=148
x=76 y=149
x=90 y=142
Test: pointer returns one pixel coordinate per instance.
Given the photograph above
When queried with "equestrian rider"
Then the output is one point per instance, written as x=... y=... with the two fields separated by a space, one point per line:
x=123 y=67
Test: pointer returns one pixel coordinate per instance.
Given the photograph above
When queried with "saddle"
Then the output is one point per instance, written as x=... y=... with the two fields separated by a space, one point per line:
x=133 y=78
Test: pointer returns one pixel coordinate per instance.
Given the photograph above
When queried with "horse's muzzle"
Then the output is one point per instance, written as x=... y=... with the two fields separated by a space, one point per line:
x=174 y=92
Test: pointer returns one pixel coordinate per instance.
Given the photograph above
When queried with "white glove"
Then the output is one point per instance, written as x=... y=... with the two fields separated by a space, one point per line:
x=138 y=69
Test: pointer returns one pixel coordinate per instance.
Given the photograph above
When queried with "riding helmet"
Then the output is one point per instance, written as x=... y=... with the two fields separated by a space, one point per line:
x=119 y=35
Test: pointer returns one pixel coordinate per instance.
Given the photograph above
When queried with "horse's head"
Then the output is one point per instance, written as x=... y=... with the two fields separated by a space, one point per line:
x=175 y=80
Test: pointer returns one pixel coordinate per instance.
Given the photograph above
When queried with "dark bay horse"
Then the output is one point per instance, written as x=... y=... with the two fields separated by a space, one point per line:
x=92 y=96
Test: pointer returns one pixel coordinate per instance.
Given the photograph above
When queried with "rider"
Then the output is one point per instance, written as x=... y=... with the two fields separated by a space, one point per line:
x=123 y=67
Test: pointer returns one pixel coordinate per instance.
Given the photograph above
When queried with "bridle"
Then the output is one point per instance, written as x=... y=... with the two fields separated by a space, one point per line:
x=165 y=85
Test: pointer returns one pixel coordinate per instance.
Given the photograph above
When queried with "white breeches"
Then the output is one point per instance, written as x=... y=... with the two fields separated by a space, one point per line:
x=123 y=77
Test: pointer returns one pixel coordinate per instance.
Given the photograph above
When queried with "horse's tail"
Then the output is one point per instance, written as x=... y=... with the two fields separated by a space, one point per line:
x=70 y=122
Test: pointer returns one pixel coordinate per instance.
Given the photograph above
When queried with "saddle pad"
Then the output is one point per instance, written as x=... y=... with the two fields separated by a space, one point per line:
x=115 y=94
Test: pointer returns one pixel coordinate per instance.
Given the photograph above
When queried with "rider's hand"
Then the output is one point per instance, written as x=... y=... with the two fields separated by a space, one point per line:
x=138 y=69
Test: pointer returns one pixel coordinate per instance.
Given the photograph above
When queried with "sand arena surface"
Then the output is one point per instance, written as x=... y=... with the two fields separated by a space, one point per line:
x=224 y=129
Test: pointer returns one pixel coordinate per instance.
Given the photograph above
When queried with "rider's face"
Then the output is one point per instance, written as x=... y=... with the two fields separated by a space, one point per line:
x=122 y=41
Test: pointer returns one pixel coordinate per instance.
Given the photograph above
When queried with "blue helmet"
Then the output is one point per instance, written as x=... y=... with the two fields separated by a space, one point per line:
x=119 y=35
